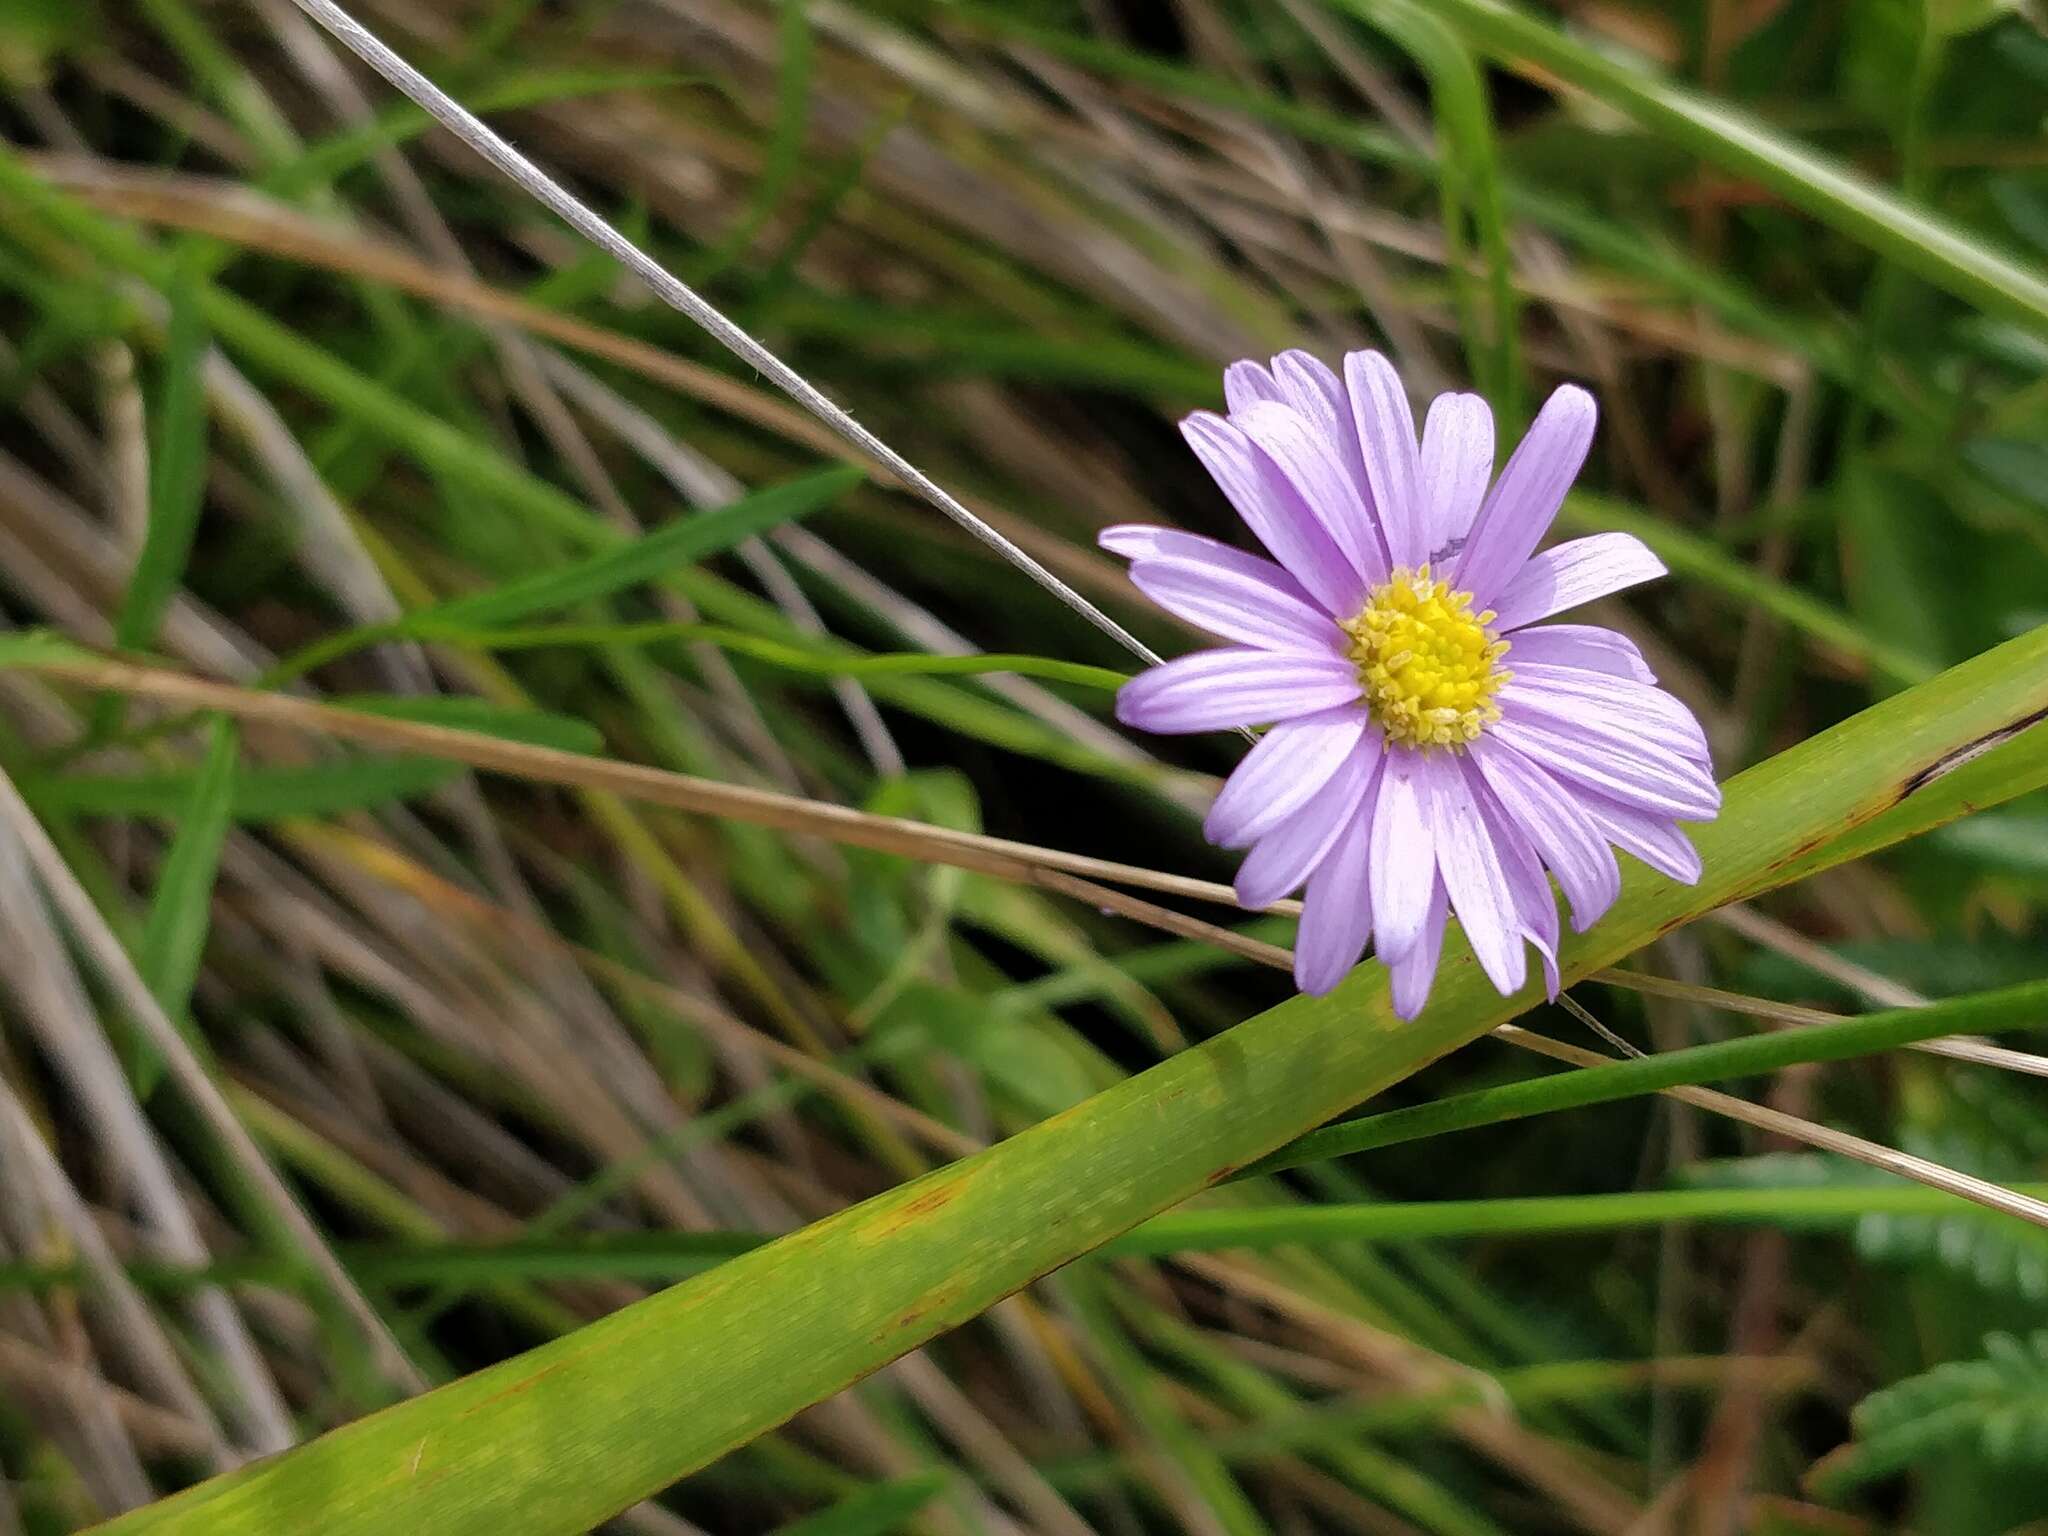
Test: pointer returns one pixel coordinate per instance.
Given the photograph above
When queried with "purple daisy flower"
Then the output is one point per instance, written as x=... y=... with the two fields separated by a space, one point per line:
x=1430 y=753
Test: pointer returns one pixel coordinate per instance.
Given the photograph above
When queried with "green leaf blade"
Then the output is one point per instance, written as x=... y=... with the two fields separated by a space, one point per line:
x=681 y=542
x=180 y=909
x=177 y=472
x=255 y=794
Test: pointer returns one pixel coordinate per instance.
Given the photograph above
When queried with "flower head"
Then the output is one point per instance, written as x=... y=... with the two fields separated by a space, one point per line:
x=1430 y=752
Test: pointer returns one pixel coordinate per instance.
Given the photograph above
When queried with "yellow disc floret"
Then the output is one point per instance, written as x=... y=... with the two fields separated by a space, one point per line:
x=1429 y=665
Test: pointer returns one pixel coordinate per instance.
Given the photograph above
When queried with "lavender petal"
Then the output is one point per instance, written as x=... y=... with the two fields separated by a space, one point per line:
x=1246 y=383
x=1385 y=424
x=1526 y=497
x=1588 y=647
x=1285 y=857
x=1220 y=689
x=1320 y=396
x=1283 y=769
x=1403 y=854
x=1655 y=840
x=1336 y=915
x=1456 y=463
x=1528 y=886
x=1240 y=605
x=1275 y=511
x=1142 y=541
x=1471 y=869
x=1312 y=468
x=1573 y=700
x=1413 y=974
x=1557 y=827
x=1574 y=572
x=1614 y=763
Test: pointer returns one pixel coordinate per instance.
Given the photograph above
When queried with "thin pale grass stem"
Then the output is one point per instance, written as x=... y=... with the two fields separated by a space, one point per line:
x=118 y=970
x=156 y=1431
x=1075 y=875
x=146 y=1347
x=106 y=1463
x=517 y=929
x=537 y=184
x=1776 y=937
x=1919 y=1169
x=1079 y=876
x=707 y=797
x=229 y=211
x=1983 y=1053
x=64 y=1022
x=1577 y=1010
x=1956 y=1047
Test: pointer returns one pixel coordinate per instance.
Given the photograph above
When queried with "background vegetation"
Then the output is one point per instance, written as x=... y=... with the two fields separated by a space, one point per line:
x=342 y=1055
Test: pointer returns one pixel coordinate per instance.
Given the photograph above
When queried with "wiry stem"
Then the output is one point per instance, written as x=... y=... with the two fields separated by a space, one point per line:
x=536 y=183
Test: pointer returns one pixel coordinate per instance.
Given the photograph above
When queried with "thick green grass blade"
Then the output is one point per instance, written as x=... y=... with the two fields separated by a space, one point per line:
x=1983 y=773
x=1917 y=238
x=568 y=1434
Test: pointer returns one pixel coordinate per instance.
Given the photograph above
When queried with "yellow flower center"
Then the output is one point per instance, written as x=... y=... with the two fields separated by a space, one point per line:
x=1429 y=665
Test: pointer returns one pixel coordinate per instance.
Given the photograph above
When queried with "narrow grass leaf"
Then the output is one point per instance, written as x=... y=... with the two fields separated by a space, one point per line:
x=679 y=542
x=662 y=1256
x=323 y=162
x=181 y=907
x=785 y=151
x=1469 y=183
x=254 y=794
x=820 y=661
x=871 y=1512
x=535 y=727
x=2009 y=1008
x=1916 y=237
x=177 y=471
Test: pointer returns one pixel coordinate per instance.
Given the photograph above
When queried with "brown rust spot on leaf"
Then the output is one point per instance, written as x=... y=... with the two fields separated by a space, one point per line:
x=1818 y=840
x=1673 y=923
x=524 y=1383
x=913 y=1322
x=1949 y=762
x=924 y=1203
x=936 y=1198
